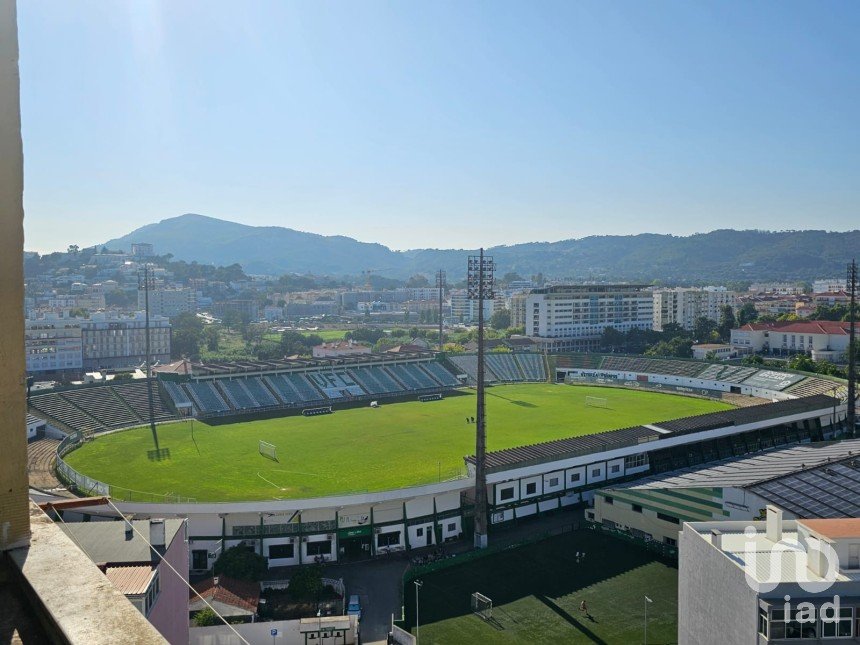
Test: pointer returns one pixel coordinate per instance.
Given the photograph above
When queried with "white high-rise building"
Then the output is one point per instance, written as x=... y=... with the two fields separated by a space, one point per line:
x=573 y=317
x=684 y=306
x=53 y=344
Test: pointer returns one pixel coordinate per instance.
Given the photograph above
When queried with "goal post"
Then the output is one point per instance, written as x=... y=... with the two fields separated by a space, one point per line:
x=269 y=450
x=482 y=606
x=596 y=402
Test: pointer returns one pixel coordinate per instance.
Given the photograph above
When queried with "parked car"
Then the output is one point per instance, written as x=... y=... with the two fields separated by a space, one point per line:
x=353 y=607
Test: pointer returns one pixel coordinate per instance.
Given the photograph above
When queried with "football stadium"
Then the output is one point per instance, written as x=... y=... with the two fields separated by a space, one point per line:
x=321 y=460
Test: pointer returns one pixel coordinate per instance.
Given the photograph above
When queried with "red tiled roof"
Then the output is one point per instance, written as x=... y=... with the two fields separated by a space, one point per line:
x=801 y=327
x=237 y=593
x=835 y=528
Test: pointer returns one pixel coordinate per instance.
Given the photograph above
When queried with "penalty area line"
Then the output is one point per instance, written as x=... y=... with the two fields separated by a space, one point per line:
x=269 y=481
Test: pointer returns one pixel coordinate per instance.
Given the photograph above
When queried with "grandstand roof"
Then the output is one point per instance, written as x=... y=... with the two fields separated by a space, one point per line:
x=249 y=366
x=612 y=439
x=828 y=491
x=752 y=469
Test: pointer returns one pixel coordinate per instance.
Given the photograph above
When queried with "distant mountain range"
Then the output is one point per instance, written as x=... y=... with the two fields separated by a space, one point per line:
x=718 y=256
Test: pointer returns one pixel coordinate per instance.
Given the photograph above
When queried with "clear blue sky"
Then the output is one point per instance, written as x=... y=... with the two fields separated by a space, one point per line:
x=440 y=124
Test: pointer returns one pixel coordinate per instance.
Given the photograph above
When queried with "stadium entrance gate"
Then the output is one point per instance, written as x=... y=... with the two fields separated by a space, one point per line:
x=354 y=543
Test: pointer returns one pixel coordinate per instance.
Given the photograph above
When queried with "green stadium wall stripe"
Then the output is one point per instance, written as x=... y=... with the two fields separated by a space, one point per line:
x=693 y=498
x=671 y=504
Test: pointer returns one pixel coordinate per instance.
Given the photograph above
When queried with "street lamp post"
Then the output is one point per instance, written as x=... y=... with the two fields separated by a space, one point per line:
x=647 y=602
x=418 y=585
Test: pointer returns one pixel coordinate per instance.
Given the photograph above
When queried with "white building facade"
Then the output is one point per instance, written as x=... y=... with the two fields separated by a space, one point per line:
x=573 y=317
x=684 y=306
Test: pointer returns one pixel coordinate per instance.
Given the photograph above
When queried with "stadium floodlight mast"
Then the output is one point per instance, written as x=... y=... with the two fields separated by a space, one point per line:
x=418 y=585
x=852 y=349
x=440 y=284
x=480 y=288
x=145 y=281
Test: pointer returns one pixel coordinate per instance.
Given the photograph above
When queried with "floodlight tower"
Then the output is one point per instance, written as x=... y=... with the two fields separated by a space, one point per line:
x=852 y=349
x=440 y=284
x=480 y=280
x=145 y=280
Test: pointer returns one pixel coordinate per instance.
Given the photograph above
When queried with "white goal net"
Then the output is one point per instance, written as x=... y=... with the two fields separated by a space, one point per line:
x=482 y=606
x=269 y=450
x=596 y=402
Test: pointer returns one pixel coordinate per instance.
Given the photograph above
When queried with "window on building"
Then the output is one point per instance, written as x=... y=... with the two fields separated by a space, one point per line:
x=553 y=481
x=506 y=493
x=837 y=627
x=762 y=622
x=790 y=627
x=152 y=594
x=595 y=472
x=531 y=488
x=323 y=547
x=614 y=469
x=279 y=551
x=636 y=508
x=668 y=518
x=575 y=477
x=670 y=541
x=420 y=531
x=609 y=500
x=388 y=539
x=452 y=526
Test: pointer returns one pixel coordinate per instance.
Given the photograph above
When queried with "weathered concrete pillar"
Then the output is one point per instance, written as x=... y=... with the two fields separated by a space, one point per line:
x=14 y=505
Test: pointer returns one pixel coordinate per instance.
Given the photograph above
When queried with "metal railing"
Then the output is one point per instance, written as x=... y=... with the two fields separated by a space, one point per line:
x=93 y=487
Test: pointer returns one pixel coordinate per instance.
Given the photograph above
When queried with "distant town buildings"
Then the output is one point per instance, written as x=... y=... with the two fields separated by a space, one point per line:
x=340 y=349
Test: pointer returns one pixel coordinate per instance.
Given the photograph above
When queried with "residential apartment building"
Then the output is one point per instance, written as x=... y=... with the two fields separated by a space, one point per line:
x=573 y=317
x=52 y=344
x=518 y=309
x=762 y=582
x=684 y=306
x=780 y=288
x=465 y=310
x=168 y=302
x=111 y=341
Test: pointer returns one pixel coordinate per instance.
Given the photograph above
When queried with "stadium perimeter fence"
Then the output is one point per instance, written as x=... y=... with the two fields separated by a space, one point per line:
x=93 y=487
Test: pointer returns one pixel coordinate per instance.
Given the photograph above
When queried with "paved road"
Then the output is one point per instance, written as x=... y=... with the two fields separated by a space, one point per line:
x=377 y=583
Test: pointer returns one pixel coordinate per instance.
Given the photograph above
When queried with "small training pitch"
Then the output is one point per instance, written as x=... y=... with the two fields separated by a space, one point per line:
x=361 y=449
x=537 y=592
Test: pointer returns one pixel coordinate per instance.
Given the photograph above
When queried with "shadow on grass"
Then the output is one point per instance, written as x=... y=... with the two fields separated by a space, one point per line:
x=543 y=570
x=594 y=638
x=522 y=404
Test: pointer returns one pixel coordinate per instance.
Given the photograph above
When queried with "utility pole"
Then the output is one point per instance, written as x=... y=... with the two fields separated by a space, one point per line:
x=440 y=284
x=144 y=281
x=480 y=281
x=852 y=349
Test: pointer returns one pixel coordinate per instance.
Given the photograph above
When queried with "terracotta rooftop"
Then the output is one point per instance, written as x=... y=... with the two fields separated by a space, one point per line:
x=229 y=591
x=835 y=528
x=801 y=327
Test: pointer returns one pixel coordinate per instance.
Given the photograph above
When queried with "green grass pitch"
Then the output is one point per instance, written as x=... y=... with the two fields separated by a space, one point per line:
x=361 y=449
x=537 y=590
